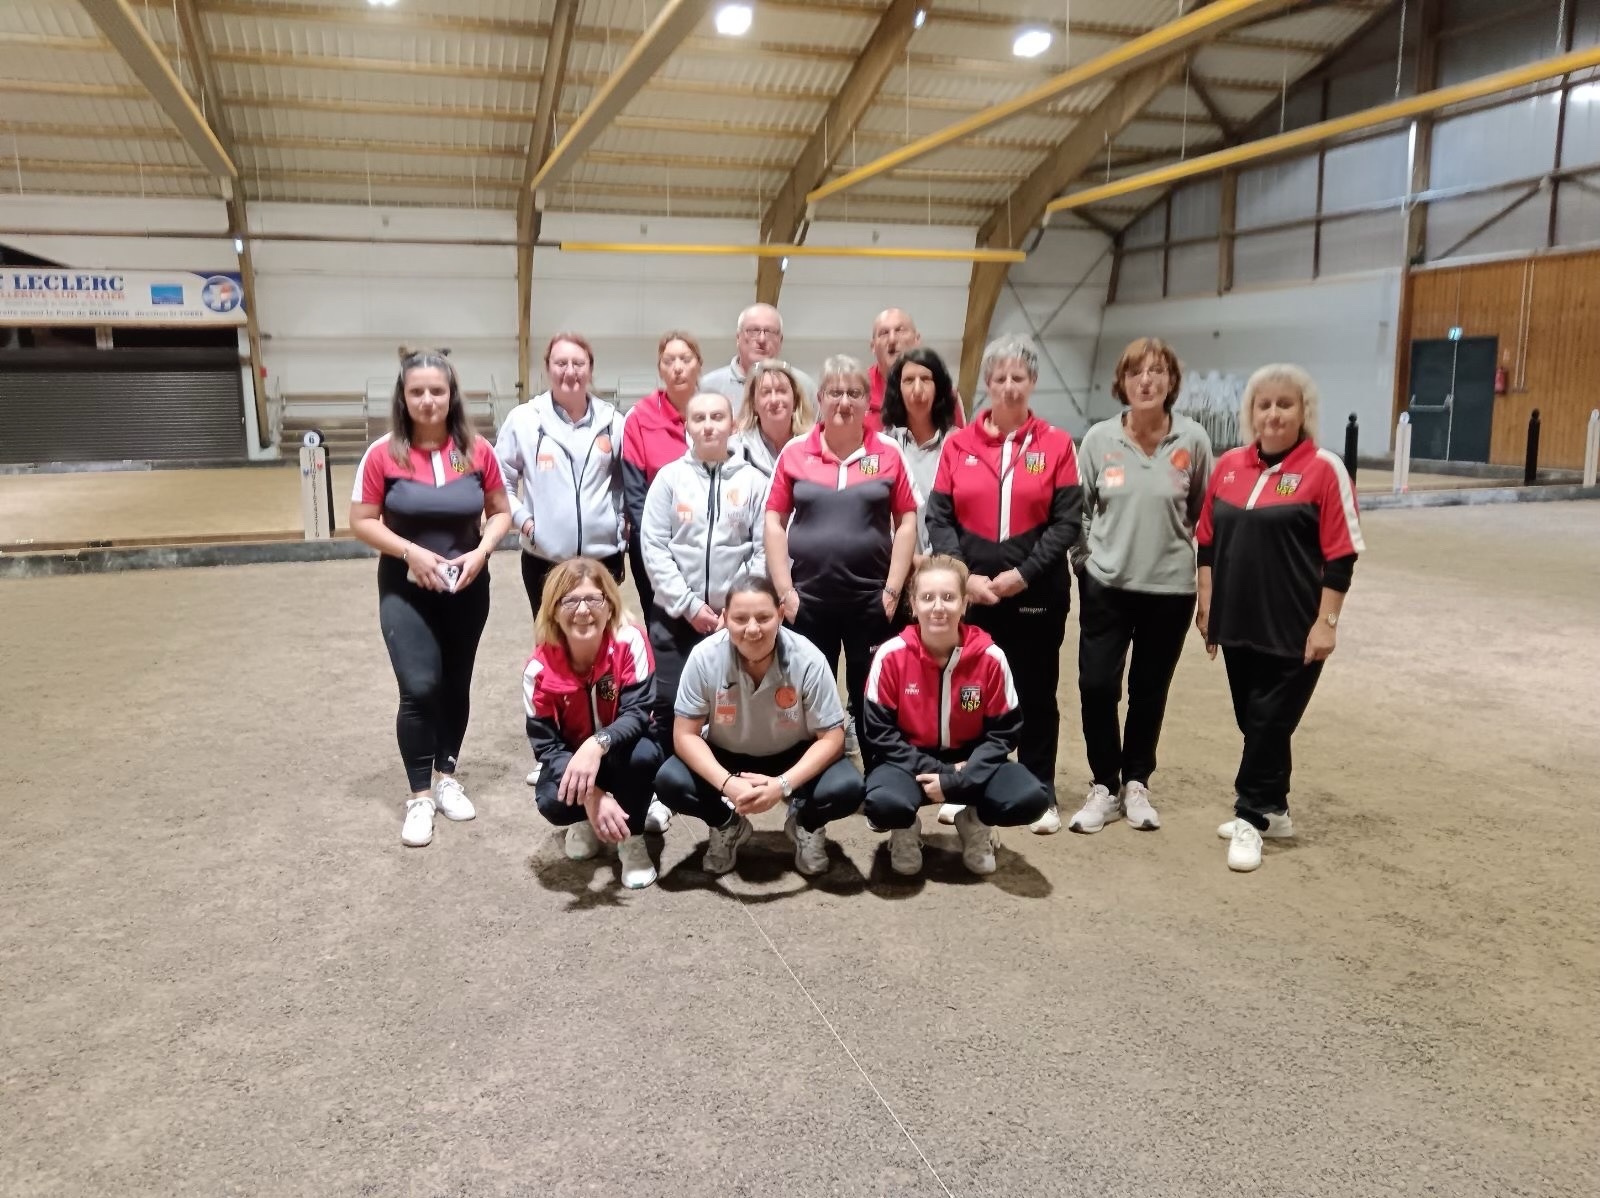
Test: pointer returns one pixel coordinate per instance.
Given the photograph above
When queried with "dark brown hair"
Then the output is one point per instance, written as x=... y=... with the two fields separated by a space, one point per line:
x=1133 y=357
x=456 y=424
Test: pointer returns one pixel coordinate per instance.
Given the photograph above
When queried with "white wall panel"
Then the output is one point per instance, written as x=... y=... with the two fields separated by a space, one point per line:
x=1369 y=87
x=1282 y=257
x=99 y=215
x=1580 y=143
x=1279 y=191
x=1149 y=229
x=1196 y=209
x=1140 y=278
x=1192 y=269
x=1525 y=37
x=1513 y=141
x=1366 y=172
x=1577 y=216
x=1370 y=241
x=1342 y=331
x=1523 y=230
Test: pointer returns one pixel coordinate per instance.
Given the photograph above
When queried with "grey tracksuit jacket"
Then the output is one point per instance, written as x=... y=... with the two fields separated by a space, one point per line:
x=567 y=476
x=702 y=531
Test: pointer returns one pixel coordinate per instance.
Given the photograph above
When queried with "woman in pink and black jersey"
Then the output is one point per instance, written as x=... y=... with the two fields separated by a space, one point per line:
x=430 y=498
x=1278 y=537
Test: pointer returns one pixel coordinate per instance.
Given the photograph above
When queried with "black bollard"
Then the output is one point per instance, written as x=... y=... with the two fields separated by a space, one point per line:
x=1530 y=470
x=1352 y=437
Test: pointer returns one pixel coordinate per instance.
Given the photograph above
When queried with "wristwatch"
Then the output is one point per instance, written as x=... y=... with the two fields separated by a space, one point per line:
x=603 y=739
x=1332 y=618
x=783 y=785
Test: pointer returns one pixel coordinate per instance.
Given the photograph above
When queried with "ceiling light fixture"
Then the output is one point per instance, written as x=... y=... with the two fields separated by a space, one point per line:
x=920 y=19
x=381 y=3
x=1031 y=43
x=238 y=245
x=733 y=20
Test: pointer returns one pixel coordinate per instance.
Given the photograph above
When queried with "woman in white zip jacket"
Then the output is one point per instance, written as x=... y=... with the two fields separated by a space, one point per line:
x=561 y=455
x=701 y=532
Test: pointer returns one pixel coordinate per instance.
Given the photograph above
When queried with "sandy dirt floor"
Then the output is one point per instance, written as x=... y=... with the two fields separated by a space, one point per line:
x=222 y=974
x=171 y=505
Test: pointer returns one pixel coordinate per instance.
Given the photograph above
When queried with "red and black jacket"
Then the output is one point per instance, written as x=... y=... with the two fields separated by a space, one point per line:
x=1012 y=502
x=926 y=718
x=653 y=435
x=1275 y=531
x=565 y=708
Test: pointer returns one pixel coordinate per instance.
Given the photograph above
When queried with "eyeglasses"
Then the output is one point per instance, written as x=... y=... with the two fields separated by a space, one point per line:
x=755 y=330
x=852 y=393
x=1155 y=372
x=573 y=603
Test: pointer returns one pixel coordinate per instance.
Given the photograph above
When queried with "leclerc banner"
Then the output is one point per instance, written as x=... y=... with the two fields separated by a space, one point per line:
x=39 y=295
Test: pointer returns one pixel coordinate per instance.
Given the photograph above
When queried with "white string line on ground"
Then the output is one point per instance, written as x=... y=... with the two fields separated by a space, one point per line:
x=828 y=1023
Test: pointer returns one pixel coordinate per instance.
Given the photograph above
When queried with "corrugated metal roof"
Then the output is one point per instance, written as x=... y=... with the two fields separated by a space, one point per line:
x=431 y=102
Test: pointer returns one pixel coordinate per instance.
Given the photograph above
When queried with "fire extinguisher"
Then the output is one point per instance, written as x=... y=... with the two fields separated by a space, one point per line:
x=1502 y=380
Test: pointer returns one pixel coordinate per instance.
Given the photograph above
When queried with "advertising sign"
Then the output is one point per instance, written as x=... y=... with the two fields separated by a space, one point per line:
x=48 y=295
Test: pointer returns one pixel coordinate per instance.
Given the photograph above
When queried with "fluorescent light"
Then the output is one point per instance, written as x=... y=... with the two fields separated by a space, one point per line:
x=783 y=265
x=920 y=19
x=381 y=3
x=238 y=245
x=733 y=20
x=1031 y=43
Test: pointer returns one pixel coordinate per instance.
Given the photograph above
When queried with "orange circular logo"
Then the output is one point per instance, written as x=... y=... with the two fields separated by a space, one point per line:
x=602 y=443
x=1180 y=459
x=787 y=696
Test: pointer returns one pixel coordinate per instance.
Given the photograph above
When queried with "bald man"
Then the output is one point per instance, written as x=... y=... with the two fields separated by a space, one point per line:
x=759 y=336
x=893 y=332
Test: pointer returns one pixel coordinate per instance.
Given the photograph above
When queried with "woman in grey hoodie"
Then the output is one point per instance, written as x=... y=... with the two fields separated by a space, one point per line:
x=561 y=455
x=701 y=533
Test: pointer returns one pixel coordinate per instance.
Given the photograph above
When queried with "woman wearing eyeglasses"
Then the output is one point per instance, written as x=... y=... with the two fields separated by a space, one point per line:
x=841 y=531
x=776 y=409
x=587 y=693
x=1144 y=478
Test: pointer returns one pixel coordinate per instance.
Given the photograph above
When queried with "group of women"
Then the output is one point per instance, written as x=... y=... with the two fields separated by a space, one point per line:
x=935 y=557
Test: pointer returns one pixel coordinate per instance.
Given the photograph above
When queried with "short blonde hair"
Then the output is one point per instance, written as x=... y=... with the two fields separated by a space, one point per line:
x=839 y=368
x=1294 y=376
x=942 y=561
x=565 y=578
x=803 y=416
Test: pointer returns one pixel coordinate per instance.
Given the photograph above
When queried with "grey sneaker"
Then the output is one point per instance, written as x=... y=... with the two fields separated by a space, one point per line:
x=810 y=848
x=852 y=746
x=1098 y=810
x=977 y=842
x=905 y=850
x=1136 y=806
x=722 y=850
x=582 y=842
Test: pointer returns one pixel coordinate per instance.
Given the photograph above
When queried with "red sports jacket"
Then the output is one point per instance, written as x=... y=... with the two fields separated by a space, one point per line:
x=564 y=708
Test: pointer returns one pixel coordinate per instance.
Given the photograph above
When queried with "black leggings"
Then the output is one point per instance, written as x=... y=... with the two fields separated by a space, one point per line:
x=857 y=627
x=1029 y=628
x=1012 y=798
x=432 y=638
x=536 y=569
x=627 y=776
x=671 y=640
x=833 y=794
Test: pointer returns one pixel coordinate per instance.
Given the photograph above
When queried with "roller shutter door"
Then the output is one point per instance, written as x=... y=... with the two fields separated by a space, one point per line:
x=147 y=411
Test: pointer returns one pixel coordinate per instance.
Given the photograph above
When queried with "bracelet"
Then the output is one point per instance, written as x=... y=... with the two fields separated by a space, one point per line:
x=892 y=593
x=405 y=554
x=721 y=790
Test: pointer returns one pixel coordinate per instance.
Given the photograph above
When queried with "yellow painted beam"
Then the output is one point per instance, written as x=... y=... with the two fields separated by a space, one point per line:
x=791 y=251
x=1311 y=135
x=1204 y=24
x=127 y=34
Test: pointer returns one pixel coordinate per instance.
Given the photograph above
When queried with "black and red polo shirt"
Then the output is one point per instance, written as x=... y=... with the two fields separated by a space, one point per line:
x=1268 y=529
x=436 y=499
x=1008 y=502
x=843 y=514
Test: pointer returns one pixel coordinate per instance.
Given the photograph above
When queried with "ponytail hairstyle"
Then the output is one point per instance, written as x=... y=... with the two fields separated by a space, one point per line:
x=456 y=424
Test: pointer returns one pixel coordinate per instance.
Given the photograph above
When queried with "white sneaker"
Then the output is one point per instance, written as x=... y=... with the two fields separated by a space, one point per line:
x=1136 y=806
x=452 y=801
x=638 y=871
x=1098 y=810
x=658 y=817
x=949 y=811
x=810 y=848
x=905 y=850
x=977 y=842
x=1047 y=824
x=722 y=850
x=533 y=774
x=418 y=828
x=1279 y=827
x=582 y=842
x=1244 y=850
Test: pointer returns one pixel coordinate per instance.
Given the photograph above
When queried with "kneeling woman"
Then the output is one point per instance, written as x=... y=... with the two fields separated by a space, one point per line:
x=941 y=720
x=587 y=693
x=758 y=721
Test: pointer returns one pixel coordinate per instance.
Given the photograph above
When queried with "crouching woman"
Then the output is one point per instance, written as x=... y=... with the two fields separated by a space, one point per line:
x=587 y=693
x=941 y=720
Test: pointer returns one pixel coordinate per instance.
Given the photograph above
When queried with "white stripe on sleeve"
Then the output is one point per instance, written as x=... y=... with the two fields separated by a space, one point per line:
x=530 y=683
x=995 y=652
x=1347 y=498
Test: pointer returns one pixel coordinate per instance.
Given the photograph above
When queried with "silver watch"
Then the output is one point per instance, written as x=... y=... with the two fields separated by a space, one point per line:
x=603 y=739
x=783 y=784
x=1332 y=618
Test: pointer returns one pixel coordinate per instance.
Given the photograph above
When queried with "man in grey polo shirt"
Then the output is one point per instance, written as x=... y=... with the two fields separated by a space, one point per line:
x=758 y=721
x=759 y=336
